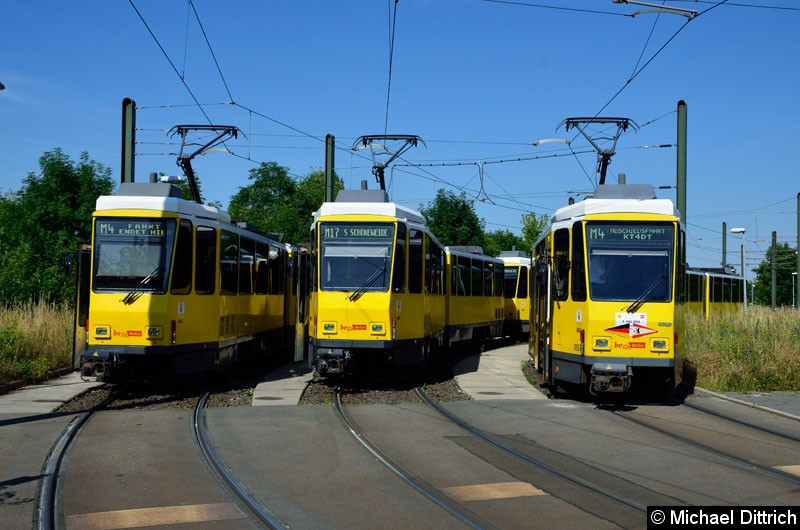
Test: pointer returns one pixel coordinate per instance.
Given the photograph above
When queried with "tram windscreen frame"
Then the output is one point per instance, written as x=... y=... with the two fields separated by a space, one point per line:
x=630 y=260
x=132 y=253
x=356 y=256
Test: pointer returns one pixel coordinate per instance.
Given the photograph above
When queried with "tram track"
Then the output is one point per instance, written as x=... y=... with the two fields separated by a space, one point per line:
x=746 y=463
x=569 y=488
x=48 y=512
x=738 y=421
x=426 y=490
x=528 y=459
x=236 y=489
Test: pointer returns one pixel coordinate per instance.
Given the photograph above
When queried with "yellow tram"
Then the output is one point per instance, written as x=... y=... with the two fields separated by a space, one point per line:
x=713 y=292
x=517 y=309
x=381 y=286
x=177 y=288
x=607 y=279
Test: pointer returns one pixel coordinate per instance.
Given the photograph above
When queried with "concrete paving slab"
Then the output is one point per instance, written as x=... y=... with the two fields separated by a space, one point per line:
x=497 y=374
x=283 y=386
x=45 y=397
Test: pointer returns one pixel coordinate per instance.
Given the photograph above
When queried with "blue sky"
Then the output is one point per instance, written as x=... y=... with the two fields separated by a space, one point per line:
x=477 y=80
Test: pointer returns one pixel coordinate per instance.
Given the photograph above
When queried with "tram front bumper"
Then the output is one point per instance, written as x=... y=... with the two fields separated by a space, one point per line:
x=607 y=377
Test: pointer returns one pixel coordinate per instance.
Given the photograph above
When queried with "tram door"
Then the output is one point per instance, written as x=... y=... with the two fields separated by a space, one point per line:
x=79 y=263
x=302 y=297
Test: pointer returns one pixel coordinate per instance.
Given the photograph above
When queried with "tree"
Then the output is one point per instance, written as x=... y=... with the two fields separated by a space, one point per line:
x=43 y=222
x=785 y=260
x=453 y=220
x=532 y=228
x=276 y=203
x=501 y=240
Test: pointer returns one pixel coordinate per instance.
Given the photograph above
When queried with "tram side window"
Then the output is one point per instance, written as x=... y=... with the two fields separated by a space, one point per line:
x=477 y=277
x=261 y=269
x=522 y=288
x=247 y=250
x=275 y=278
x=464 y=288
x=428 y=265
x=499 y=272
x=736 y=290
x=716 y=288
x=561 y=264
x=415 y=261
x=182 y=268
x=488 y=274
x=205 y=260
x=435 y=268
x=399 y=272
x=228 y=262
x=578 y=269
x=695 y=288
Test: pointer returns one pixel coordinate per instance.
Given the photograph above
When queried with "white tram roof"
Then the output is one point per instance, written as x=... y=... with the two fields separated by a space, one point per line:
x=157 y=197
x=367 y=202
x=618 y=198
x=515 y=257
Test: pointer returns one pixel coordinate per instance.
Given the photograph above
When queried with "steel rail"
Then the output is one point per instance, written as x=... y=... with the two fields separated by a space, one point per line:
x=746 y=463
x=529 y=459
x=47 y=505
x=773 y=432
x=238 y=491
x=418 y=484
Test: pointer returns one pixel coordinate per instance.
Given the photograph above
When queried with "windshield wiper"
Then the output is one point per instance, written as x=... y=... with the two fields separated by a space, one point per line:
x=136 y=292
x=369 y=281
x=639 y=301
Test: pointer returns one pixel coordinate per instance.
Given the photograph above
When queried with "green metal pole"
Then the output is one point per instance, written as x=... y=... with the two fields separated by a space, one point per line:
x=774 y=252
x=128 y=140
x=330 y=148
x=724 y=245
x=681 y=160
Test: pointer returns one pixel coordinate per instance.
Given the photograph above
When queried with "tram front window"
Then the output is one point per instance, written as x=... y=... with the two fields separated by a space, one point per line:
x=510 y=281
x=132 y=254
x=356 y=256
x=630 y=261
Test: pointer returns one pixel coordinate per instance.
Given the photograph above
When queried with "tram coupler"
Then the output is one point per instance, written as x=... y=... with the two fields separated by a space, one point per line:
x=331 y=361
x=98 y=364
x=606 y=377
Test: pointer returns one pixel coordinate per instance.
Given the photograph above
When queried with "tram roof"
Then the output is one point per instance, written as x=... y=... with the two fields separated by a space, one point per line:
x=388 y=209
x=157 y=197
x=623 y=198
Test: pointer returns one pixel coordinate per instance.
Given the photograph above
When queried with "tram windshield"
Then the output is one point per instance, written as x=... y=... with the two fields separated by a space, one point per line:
x=510 y=281
x=630 y=261
x=356 y=256
x=132 y=254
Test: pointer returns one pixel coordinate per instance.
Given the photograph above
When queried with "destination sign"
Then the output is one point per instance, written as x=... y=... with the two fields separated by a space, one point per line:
x=131 y=228
x=629 y=232
x=357 y=231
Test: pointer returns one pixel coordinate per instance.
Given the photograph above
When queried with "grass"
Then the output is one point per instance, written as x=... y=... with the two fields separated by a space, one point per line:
x=35 y=341
x=756 y=352
x=732 y=352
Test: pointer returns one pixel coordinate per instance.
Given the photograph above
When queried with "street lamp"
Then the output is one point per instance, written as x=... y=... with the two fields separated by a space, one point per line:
x=744 y=277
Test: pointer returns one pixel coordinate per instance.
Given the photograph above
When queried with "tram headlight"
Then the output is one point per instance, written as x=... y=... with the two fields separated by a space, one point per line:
x=102 y=332
x=377 y=328
x=154 y=332
x=329 y=328
x=602 y=343
x=659 y=344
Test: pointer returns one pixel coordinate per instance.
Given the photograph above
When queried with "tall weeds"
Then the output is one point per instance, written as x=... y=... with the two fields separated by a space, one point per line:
x=35 y=341
x=759 y=351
